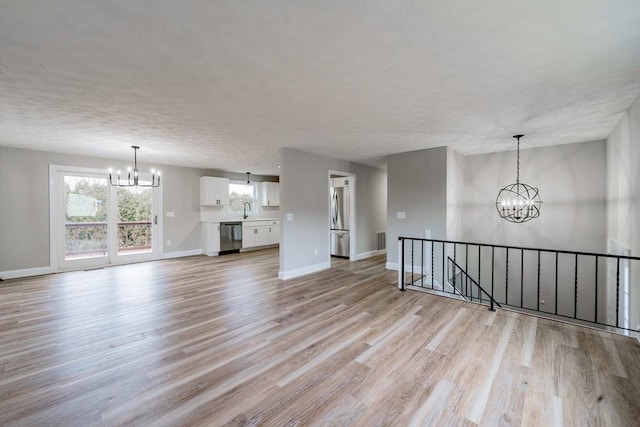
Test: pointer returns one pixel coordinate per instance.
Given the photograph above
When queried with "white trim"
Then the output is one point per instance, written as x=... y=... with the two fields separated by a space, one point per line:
x=286 y=275
x=365 y=255
x=180 y=254
x=26 y=272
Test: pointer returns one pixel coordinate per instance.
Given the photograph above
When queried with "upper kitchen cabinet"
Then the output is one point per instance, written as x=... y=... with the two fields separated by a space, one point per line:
x=214 y=191
x=270 y=193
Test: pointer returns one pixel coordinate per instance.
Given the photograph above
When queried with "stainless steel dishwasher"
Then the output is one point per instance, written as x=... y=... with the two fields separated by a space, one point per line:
x=230 y=237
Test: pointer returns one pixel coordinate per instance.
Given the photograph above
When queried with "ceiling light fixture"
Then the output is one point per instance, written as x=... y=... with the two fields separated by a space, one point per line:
x=134 y=182
x=518 y=202
x=248 y=175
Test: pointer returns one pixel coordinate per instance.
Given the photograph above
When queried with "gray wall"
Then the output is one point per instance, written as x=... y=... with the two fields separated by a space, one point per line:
x=456 y=174
x=304 y=193
x=24 y=205
x=571 y=179
x=623 y=188
x=417 y=186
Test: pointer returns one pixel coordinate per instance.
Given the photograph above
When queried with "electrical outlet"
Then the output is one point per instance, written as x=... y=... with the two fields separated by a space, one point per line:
x=168 y=242
x=542 y=301
x=315 y=251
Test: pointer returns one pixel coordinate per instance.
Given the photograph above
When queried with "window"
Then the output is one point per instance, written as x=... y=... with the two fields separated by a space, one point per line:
x=241 y=193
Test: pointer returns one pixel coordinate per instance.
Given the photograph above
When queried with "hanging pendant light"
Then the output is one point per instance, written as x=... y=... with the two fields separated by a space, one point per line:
x=132 y=175
x=248 y=182
x=518 y=202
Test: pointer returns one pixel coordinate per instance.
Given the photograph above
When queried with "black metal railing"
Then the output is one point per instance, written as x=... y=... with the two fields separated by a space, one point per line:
x=588 y=288
x=469 y=288
x=90 y=238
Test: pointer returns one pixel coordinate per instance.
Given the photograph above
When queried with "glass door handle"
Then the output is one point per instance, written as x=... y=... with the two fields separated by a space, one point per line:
x=155 y=220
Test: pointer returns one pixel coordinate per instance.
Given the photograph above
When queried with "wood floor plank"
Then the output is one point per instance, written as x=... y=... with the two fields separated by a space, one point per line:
x=201 y=341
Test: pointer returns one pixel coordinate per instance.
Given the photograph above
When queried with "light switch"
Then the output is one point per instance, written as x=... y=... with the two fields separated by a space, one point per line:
x=401 y=215
x=171 y=214
x=289 y=217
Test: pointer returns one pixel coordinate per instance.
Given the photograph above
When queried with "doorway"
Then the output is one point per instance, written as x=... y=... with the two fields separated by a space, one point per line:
x=342 y=215
x=94 y=224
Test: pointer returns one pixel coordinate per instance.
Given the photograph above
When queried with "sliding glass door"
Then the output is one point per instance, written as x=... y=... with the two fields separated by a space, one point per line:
x=96 y=224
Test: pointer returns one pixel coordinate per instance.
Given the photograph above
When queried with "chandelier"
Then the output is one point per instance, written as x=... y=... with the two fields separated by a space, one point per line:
x=132 y=181
x=518 y=202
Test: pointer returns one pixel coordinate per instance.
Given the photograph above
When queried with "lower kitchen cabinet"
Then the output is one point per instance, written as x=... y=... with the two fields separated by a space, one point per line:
x=210 y=238
x=274 y=235
x=260 y=233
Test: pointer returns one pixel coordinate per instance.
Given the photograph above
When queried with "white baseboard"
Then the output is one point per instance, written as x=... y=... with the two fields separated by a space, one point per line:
x=286 y=275
x=181 y=254
x=15 y=274
x=365 y=255
x=407 y=267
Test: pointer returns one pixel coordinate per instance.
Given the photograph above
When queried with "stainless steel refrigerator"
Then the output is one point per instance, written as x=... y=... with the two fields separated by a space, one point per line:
x=340 y=216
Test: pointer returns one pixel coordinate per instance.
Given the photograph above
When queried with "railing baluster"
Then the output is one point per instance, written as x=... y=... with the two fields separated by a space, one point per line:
x=479 y=277
x=538 y=304
x=466 y=268
x=575 y=290
x=412 y=261
x=432 y=276
x=521 y=278
x=556 y=300
x=423 y=272
x=617 y=291
x=506 y=279
x=595 y=317
x=443 y=278
x=401 y=278
x=493 y=258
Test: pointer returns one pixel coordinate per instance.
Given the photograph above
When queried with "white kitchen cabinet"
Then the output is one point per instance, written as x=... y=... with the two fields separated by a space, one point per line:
x=248 y=238
x=260 y=233
x=214 y=191
x=270 y=193
x=210 y=238
x=274 y=235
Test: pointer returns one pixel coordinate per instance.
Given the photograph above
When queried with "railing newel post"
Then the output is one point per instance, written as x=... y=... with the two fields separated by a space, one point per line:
x=401 y=260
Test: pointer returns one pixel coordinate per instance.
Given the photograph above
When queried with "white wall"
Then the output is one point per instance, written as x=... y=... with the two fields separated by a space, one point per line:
x=224 y=213
x=304 y=193
x=623 y=194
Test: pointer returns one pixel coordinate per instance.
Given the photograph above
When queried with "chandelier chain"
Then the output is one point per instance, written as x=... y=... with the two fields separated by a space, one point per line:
x=518 y=163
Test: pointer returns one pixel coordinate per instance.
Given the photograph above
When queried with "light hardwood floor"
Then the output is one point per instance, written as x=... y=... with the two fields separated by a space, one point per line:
x=221 y=341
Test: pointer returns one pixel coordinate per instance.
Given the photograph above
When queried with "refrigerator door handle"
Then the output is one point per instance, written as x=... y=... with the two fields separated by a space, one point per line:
x=334 y=219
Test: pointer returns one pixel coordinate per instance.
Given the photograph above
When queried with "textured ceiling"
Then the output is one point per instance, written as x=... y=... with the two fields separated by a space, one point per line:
x=224 y=84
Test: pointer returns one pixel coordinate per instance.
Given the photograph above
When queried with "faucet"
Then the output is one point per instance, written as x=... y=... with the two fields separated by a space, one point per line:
x=244 y=209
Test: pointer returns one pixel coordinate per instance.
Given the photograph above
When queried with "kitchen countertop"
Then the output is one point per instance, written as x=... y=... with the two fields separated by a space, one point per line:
x=244 y=220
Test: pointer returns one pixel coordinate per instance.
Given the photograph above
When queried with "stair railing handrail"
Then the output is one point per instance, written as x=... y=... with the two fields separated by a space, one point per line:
x=489 y=297
x=560 y=251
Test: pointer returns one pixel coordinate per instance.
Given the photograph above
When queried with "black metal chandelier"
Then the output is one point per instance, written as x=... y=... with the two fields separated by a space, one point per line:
x=518 y=202
x=132 y=175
